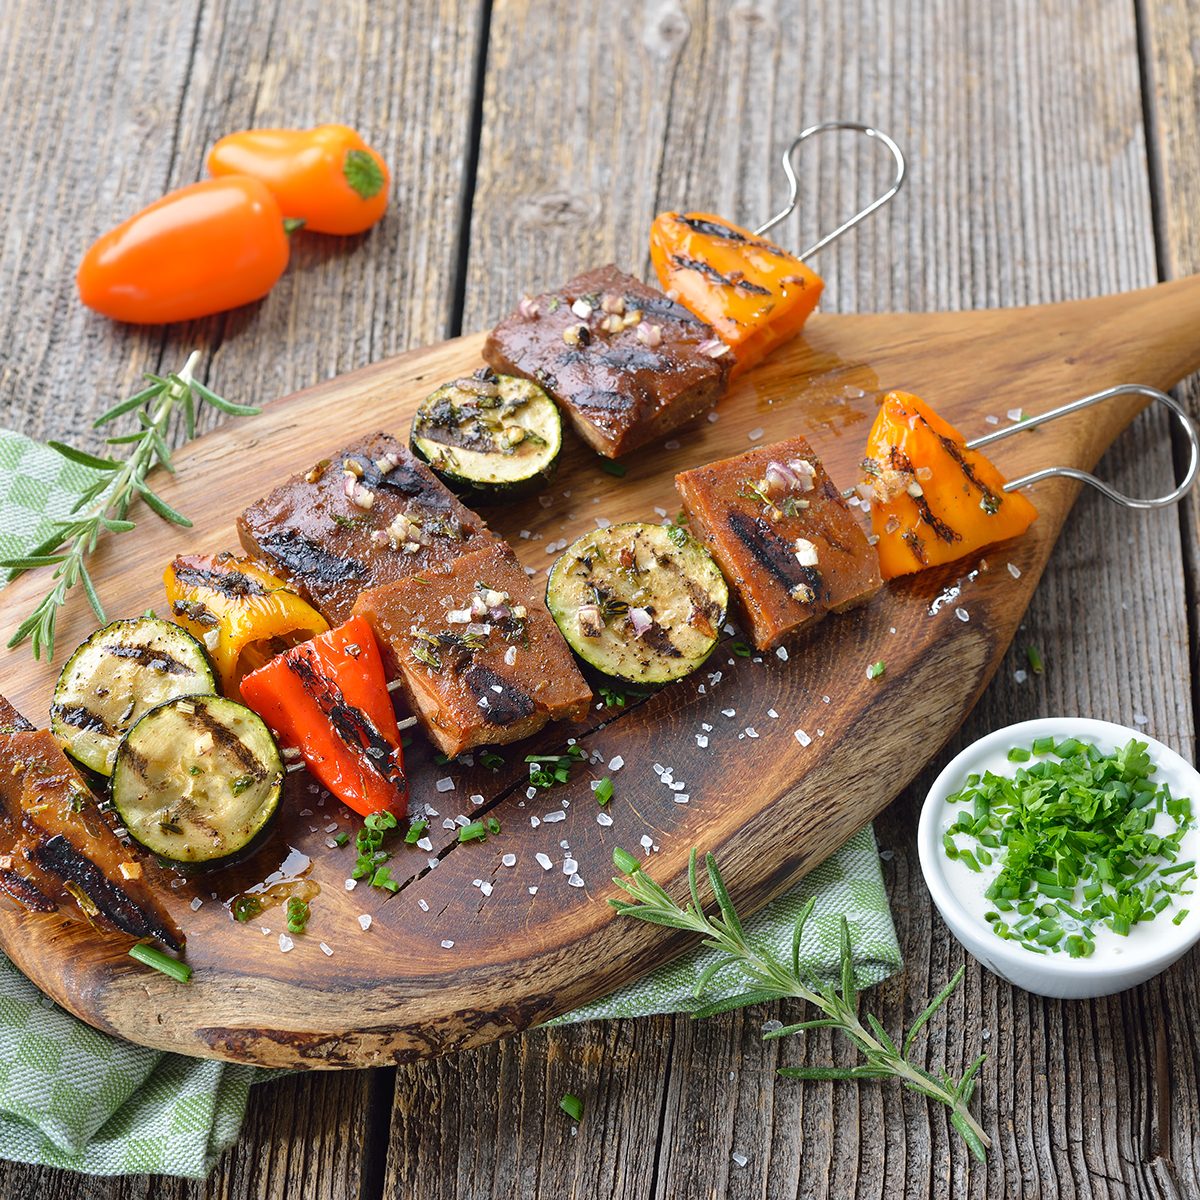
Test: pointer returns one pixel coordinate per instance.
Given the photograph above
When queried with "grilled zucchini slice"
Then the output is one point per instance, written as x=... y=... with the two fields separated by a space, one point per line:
x=488 y=435
x=197 y=779
x=639 y=602
x=120 y=672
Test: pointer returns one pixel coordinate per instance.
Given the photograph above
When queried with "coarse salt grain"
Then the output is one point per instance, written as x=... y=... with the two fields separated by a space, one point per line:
x=1140 y=718
x=782 y=654
x=751 y=732
x=553 y=816
x=476 y=799
x=423 y=905
x=962 y=614
x=713 y=417
x=802 y=738
x=1020 y=675
x=616 y=763
x=364 y=921
x=485 y=888
x=196 y=902
x=772 y=714
x=576 y=880
x=740 y=1159
x=326 y=950
x=445 y=784
x=602 y=818
x=569 y=866
x=755 y=434
x=702 y=741
x=544 y=860
x=351 y=884
x=447 y=943
x=509 y=860
x=285 y=943
x=647 y=841
x=425 y=844
x=1014 y=570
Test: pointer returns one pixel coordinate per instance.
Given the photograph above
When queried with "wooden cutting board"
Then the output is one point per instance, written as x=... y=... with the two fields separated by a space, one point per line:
x=445 y=966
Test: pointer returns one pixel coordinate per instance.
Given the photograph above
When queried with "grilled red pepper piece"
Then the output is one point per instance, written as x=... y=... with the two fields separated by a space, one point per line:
x=328 y=697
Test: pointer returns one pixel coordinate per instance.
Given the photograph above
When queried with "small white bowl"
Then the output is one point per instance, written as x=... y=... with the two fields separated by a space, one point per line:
x=1117 y=963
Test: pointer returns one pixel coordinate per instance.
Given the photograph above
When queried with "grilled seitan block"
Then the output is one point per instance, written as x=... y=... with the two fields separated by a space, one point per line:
x=479 y=657
x=367 y=516
x=783 y=536
x=625 y=362
x=60 y=851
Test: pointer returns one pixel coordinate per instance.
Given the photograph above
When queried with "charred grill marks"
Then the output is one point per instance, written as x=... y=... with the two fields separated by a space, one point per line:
x=503 y=707
x=711 y=272
x=59 y=857
x=774 y=554
x=302 y=556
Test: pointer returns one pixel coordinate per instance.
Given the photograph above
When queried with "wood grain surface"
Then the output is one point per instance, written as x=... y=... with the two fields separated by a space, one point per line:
x=1054 y=155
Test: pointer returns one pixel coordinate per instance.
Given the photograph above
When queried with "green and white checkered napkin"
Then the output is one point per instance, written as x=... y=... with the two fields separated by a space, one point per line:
x=73 y=1097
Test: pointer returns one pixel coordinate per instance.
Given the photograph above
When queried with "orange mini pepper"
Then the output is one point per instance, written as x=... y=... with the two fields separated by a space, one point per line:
x=754 y=294
x=242 y=613
x=328 y=177
x=329 y=698
x=201 y=249
x=932 y=499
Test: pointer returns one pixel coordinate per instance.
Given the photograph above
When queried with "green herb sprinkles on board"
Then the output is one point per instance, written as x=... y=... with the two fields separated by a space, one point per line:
x=1082 y=840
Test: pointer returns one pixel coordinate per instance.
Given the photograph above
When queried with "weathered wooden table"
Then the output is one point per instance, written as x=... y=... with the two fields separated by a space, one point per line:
x=1054 y=151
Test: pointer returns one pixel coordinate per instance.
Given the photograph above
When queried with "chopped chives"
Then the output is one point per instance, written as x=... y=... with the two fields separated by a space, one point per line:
x=604 y=791
x=474 y=832
x=1034 y=657
x=572 y=1106
x=415 y=829
x=160 y=960
x=876 y=670
x=1077 y=834
x=611 y=468
x=1179 y=916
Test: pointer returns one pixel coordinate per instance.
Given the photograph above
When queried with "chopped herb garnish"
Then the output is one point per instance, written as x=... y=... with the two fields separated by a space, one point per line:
x=876 y=670
x=604 y=791
x=491 y=760
x=341 y=839
x=612 y=698
x=1036 y=664
x=415 y=829
x=160 y=960
x=572 y=1106
x=245 y=908
x=1079 y=838
x=371 y=854
x=297 y=914
x=383 y=879
x=476 y=831
x=678 y=535
x=547 y=770
x=611 y=468
x=741 y=649
x=493 y=825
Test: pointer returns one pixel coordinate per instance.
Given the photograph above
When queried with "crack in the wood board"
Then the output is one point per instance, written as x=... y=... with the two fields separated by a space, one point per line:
x=466 y=209
x=661 y=1136
x=518 y=783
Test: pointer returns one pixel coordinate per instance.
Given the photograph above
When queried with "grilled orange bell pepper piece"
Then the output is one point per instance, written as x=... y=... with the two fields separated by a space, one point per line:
x=328 y=176
x=199 y=250
x=329 y=698
x=241 y=612
x=754 y=295
x=932 y=499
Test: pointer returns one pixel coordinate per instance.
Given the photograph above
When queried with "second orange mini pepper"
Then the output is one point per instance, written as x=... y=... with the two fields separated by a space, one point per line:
x=328 y=177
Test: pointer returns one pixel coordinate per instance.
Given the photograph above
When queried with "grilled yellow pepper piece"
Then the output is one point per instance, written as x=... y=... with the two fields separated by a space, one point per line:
x=242 y=613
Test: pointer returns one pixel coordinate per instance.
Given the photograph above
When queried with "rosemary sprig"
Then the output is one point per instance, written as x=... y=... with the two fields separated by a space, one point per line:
x=104 y=505
x=767 y=978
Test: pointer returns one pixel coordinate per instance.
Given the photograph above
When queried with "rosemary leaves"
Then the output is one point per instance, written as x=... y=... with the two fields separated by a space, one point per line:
x=767 y=979
x=104 y=506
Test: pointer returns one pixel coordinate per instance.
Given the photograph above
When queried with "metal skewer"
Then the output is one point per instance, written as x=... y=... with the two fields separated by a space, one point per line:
x=794 y=182
x=1124 y=389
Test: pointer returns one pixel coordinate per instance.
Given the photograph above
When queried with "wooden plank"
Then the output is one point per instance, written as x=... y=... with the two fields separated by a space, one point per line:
x=1027 y=183
x=128 y=102
x=1169 y=32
